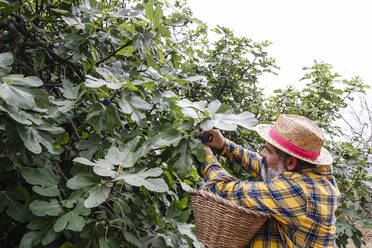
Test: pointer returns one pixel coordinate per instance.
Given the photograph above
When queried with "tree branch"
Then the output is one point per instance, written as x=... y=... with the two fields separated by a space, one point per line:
x=114 y=53
x=67 y=62
x=149 y=112
x=31 y=70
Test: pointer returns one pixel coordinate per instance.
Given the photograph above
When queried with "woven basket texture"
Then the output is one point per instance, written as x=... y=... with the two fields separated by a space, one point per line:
x=221 y=224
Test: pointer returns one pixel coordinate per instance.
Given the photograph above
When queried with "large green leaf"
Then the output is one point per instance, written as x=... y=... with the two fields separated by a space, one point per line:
x=97 y=196
x=93 y=82
x=192 y=109
x=124 y=156
x=196 y=79
x=50 y=128
x=49 y=237
x=138 y=103
x=72 y=220
x=30 y=138
x=230 y=122
x=245 y=119
x=166 y=137
x=46 y=191
x=81 y=209
x=184 y=161
x=15 y=209
x=111 y=79
x=42 y=208
x=185 y=103
x=101 y=167
x=131 y=238
x=40 y=176
x=198 y=110
x=187 y=229
x=33 y=138
x=30 y=239
x=104 y=168
x=214 y=106
x=6 y=60
x=108 y=243
x=144 y=178
x=103 y=118
x=197 y=149
x=82 y=180
x=37 y=224
x=44 y=179
x=91 y=145
x=17 y=114
x=73 y=41
x=14 y=90
x=71 y=21
x=64 y=106
x=73 y=198
x=69 y=91
x=115 y=156
x=133 y=105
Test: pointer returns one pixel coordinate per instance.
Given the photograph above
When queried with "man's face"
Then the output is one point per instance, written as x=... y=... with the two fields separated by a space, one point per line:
x=272 y=164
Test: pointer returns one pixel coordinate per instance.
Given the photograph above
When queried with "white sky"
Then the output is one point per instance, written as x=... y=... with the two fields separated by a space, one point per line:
x=337 y=32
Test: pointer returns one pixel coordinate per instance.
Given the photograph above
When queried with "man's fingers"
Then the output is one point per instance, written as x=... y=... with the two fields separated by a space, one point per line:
x=218 y=139
x=206 y=131
x=214 y=132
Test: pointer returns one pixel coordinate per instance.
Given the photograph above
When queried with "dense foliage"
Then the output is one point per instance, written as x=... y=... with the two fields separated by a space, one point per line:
x=100 y=104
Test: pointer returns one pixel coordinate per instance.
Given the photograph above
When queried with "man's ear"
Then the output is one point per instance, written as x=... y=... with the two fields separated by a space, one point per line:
x=291 y=163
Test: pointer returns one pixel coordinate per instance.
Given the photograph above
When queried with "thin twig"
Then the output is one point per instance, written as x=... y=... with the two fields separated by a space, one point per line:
x=149 y=112
x=114 y=53
x=75 y=131
x=107 y=210
x=30 y=69
x=67 y=62
x=118 y=116
x=61 y=171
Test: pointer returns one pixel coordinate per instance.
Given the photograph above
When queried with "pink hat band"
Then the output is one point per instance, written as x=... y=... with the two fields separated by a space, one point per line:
x=291 y=147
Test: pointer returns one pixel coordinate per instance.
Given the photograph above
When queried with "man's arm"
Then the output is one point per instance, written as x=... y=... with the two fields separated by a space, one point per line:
x=277 y=196
x=248 y=160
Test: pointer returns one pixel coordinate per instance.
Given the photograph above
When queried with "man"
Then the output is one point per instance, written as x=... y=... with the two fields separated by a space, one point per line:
x=296 y=184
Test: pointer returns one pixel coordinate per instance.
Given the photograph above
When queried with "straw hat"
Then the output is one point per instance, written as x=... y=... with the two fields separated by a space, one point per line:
x=298 y=136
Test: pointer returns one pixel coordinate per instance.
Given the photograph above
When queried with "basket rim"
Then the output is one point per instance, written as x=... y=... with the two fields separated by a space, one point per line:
x=223 y=201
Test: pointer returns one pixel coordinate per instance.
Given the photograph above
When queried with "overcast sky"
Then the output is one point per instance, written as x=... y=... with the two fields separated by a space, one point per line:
x=334 y=31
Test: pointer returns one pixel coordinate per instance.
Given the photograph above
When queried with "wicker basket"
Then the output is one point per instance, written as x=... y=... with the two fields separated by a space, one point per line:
x=221 y=224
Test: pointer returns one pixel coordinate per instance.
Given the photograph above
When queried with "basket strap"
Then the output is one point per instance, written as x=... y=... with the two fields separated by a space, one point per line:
x=225 y=179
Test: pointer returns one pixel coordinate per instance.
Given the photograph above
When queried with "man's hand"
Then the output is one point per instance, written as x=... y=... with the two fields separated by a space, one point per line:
x=207 y=151
x=218 y=139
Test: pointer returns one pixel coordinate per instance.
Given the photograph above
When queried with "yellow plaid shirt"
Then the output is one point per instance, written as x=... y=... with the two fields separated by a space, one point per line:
x=302 y=203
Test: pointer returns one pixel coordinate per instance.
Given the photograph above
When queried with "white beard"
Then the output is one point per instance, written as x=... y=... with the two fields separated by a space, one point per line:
x=268 y=173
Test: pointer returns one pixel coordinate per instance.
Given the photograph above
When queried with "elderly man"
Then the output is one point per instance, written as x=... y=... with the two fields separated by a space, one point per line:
x=296 y=186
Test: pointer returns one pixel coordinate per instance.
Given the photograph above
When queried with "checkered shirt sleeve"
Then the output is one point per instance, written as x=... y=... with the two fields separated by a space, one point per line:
x=248 y=160
x=302 y=204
